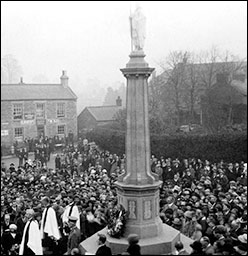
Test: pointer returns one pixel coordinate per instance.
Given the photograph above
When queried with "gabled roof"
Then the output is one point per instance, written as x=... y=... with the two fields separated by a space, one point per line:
x=11 y=92
x=104 y=113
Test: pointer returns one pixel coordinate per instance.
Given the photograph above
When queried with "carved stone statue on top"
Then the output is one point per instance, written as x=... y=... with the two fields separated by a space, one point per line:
x=138 y=29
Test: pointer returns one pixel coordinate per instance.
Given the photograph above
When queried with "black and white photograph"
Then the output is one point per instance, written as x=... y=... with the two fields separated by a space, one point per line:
x=124 y=128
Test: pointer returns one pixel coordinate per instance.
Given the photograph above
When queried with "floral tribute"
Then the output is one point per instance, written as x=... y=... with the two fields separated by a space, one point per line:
x=117 y=222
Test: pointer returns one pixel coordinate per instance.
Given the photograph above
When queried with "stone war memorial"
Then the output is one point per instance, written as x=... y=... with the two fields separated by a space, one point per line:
x=138 y=187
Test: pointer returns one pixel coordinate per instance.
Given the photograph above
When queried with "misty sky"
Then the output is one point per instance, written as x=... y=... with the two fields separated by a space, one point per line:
x=92 y=39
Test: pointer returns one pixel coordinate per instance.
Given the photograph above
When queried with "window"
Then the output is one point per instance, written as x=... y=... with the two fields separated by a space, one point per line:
x=18 y=132
x=17 y=111
x=60 y=109
x=4 y=132
x=40 y=110
x=61 y=129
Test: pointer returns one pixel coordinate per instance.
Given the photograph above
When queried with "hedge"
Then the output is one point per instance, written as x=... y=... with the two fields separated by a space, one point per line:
x=229 y=147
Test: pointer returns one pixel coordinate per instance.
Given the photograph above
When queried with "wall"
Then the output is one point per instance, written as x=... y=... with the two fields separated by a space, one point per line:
x=30 y=126
x=85 y=120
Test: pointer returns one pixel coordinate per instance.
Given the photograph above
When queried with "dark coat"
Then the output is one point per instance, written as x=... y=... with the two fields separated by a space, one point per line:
x=20 y=225
x=231 y=175
x=168 y=174
x=7 y=240
x=57 y=162
x=104 y=251
x=74 y=239
x=134 y=249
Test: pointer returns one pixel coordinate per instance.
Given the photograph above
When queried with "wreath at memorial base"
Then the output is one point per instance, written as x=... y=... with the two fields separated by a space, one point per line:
x=117 y=223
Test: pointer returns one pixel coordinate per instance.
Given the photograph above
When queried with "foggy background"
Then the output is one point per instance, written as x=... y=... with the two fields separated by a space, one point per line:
x=91 y=40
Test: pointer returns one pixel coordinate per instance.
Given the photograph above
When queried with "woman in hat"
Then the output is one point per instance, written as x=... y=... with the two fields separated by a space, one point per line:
x=197 y=235
x=10 y=240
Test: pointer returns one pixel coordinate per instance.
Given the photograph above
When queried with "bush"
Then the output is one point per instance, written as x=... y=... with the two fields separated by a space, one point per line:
x=229 y=147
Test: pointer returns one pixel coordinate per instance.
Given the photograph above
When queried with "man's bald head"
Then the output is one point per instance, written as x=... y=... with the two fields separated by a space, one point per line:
x=30 y=211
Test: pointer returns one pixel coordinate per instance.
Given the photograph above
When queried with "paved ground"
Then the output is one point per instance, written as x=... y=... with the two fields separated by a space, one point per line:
x=8 y=160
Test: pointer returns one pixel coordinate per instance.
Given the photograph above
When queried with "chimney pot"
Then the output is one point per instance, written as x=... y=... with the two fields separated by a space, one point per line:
x=64 y=79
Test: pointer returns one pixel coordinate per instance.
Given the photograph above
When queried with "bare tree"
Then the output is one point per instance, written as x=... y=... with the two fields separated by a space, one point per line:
x=10 y=69
x=184 y=83
x=228 y=65
x=173 y=91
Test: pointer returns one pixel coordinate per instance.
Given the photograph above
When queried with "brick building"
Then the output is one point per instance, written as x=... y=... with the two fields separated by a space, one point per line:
x=94 y=116
x=31 y=110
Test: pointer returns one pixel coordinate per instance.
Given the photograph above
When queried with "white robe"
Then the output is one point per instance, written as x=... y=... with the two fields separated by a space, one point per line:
x=51 y=225
x=34 y=238
x=74 y=213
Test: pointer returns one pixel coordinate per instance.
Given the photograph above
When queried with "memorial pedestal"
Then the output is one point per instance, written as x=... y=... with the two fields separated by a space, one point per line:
x=138 y=187
x=159 y=245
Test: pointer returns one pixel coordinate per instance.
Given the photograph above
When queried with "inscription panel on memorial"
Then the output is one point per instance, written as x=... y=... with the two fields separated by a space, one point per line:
x=147 y=206
x=156 y=207
x=132 y=208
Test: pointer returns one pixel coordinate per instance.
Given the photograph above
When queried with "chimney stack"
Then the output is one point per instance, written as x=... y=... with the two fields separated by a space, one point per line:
x=118 y=101
x=64 y=79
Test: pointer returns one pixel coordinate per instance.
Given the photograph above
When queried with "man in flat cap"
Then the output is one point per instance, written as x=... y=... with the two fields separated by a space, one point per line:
x=103 y=249
x=219 y=233
x=74 y=238
x=31 y=239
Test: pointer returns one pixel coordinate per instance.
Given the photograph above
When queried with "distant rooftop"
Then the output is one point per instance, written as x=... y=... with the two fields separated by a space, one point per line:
x=104 y=113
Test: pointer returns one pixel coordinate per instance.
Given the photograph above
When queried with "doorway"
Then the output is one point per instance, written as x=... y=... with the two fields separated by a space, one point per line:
x=41 y=131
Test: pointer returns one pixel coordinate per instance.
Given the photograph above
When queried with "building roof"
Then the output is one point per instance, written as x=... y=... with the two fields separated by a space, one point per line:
x=104 y=113
x=22 y=91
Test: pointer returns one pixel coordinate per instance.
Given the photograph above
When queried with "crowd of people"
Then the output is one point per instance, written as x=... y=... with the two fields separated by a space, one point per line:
x=204 y=201
x=42 y=147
